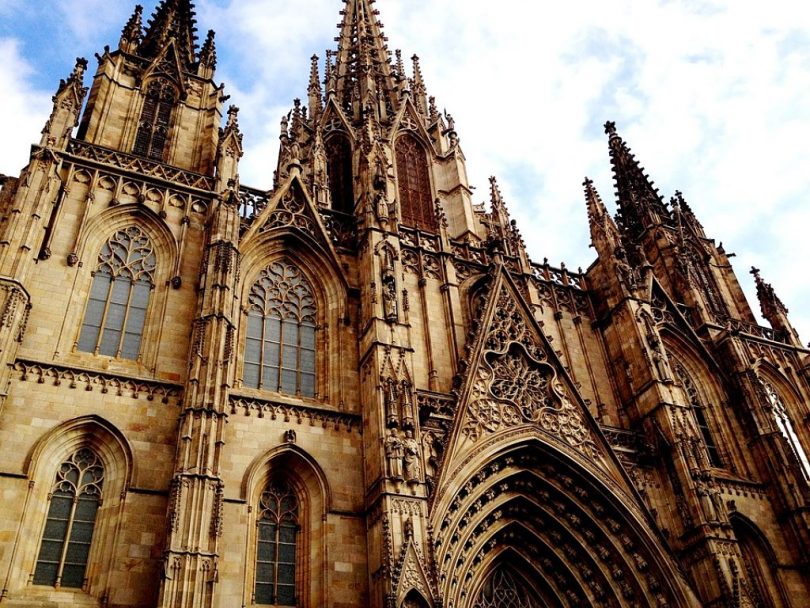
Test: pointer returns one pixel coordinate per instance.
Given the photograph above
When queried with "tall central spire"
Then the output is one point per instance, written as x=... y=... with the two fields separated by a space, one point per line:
x=362 y=69
x=172 y=19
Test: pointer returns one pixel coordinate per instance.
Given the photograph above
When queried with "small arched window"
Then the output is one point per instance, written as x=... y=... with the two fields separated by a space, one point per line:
x=699 y=408
x=339 y=166
x=415 y=201
x=787 y=429
x=122 y=283
x=276 y=546
x=280 y=343
x=74 y=503
x=156 y=115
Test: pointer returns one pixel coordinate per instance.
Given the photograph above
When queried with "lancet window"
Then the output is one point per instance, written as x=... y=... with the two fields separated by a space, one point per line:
x=119 y=297
x=339 y=166
x=281 y=324
x=276 y=546
x=74 y=503
x=415 y=201
x=787 y=429
x=153 y=127
x=699 y=408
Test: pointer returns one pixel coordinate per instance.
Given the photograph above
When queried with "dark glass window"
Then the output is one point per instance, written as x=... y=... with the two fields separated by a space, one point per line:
x=415 y=201
x=71 y=518
x=277 y=530
x=156 y=115
x=339 y=164
x=700 y=415
x=122 y=283
x=280 y=344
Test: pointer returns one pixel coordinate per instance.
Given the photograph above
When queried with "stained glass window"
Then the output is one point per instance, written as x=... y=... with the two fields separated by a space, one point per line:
x=277 y=533
x=153 y=127
x=280 y=344
x=785 y=425
x=699 y=408
x=122 y=283
x=74 y=502
x=339 y=163
x=415 y=200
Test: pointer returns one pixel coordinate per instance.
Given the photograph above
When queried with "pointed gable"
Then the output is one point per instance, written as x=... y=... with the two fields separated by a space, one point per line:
x=514 y=380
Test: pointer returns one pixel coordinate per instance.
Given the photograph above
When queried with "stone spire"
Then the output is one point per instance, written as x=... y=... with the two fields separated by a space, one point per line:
x=362 y=62
x=640 y=205
x=172 y=20
x=605 y=235
x=772 y=307
x=132 y=32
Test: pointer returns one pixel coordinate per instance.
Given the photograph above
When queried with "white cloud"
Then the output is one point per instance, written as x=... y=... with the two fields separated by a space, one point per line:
x=713 y=97
x=24 y=109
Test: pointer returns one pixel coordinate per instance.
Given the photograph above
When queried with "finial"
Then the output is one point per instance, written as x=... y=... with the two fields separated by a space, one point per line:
x=132 y=32
x=610 y=128
x=755 y=271
x=233 y=116
x=400 y=66
x=208 y=53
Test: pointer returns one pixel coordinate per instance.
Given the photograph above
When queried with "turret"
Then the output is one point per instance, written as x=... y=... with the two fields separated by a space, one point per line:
x=153 y=96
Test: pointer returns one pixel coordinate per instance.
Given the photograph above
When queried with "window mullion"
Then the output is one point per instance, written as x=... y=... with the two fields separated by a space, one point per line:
x=69 y=531
x=280 y=362
x=261 y=349
x=298 y=360
x=276 y=559
x=103 y=322
x=125 y=320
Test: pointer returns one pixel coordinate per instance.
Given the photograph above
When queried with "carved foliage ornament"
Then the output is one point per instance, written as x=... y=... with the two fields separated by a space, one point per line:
x=515 y=385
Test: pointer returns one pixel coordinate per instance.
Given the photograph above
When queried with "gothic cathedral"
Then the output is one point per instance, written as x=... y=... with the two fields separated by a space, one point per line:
x=355 y=389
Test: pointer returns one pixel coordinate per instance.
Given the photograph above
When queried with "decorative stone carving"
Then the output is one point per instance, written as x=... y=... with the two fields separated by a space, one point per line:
x=394 y=453
x=412 y=460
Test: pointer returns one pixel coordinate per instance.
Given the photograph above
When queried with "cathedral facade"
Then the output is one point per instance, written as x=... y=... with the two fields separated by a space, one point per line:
x=356 y=389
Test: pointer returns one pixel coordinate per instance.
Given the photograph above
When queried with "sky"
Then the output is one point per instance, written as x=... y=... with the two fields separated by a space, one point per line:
x=712 y=96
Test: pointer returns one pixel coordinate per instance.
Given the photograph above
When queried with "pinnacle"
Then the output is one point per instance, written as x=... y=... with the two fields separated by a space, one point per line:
x=640 y=205
x=172 y=19
x=133 y=30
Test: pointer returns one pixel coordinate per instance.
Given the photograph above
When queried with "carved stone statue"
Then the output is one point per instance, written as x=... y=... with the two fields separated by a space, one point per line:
x=413 y=466
x=393 y=454
x=390 y=301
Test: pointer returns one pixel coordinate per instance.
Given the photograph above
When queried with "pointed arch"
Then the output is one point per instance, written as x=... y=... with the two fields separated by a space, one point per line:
x=759 y=561
x=414 y=599
x=413 y=179
x=339 y=169
x=127 y=257
x=291 y=477
x=522 y=494
x=705 y=396
x=160 y=96
x=83 y=495
x=512 y=583
x=784 y=408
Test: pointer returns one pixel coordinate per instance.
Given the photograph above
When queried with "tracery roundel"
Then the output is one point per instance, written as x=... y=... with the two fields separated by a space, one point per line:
x=128 y=252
